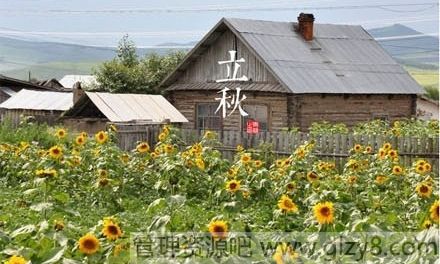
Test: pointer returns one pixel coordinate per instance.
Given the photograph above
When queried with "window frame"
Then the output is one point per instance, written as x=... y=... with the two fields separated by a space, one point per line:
x=196 y=118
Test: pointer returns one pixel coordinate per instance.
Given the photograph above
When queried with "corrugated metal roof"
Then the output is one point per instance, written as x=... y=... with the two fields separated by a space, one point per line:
x=69 y=80
x=39 y=100
x=8 y=90
x=136 y=107
x=265 y=87
x=340 y=58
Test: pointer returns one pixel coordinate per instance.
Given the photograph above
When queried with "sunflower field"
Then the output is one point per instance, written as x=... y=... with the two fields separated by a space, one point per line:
x=77 y=198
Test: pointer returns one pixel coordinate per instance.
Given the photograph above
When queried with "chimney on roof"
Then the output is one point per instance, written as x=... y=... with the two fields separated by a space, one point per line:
x=77 y=92
x=305 y=26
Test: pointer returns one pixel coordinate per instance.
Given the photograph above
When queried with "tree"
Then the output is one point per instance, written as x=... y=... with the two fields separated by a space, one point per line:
x=126 y=73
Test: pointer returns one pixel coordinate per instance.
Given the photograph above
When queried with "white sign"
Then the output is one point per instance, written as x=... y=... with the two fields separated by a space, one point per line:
x=233 y=101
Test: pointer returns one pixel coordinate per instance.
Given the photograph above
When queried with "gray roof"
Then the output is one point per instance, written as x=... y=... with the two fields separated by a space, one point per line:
x=39 y=100
x=340 y=58
x=135 y=107
x=263 y=87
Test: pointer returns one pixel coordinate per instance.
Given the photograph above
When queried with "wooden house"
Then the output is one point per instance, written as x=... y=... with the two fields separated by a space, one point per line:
x=289 y=74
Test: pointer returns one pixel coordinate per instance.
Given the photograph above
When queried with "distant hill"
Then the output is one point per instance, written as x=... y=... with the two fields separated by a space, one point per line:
x=53 y=60
x=419 y=52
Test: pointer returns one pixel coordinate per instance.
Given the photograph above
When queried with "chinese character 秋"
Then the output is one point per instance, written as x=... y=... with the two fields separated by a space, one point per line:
x=235 y=102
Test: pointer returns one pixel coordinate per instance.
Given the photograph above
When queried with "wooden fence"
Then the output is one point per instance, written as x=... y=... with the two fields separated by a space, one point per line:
x=334 y=147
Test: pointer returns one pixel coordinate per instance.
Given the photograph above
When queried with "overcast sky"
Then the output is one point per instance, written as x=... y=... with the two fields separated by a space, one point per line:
x=151 y=22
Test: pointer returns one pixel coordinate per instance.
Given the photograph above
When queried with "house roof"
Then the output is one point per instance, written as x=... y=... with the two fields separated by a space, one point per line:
x=69 y=80
x=132 y=107
x=339 y=59
x=39 y=100
x=16 y=85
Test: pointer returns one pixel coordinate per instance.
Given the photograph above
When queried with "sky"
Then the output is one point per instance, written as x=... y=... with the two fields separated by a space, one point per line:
x=153 y=22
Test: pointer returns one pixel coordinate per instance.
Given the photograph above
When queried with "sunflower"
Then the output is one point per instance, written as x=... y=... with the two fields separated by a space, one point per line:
x=233 y=186
x=357 y=148
x=382 y=153
x=312 y=176
x=290 y=186
x=209 y=134
x=427 y=167
x=279 y=163
x=218 y=229
x=368 y=149
x=162 y=136
x=101 y=137
x=287 y=205
x=169 y=148
x=232 y=172
x=143 y=147
x=61 y=133
x=300 y=153
x=397 y=170
x=118 y=249
x=58 y=225
x=102 y=173
x=420 y=169
x=284 y=253
x=56 y=152
x=387 y=146
x=200 y=164
x=380 y=179
x=392 y=153
x=80 y=140
x=88 y=244
x=258 y=163
x=352 y=179
x=154 y=155
x=239 y=148
x=125 y=158
x=111 y=230
x=84 y=134
x=103 y=181
x=424 y=190
x=324 y=212
x=16 y=260
x=434 y=210
x=246 y=194
x=245 y=158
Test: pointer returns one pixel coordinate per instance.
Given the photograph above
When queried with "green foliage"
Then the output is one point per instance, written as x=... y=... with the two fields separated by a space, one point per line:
x=324 y=127
x=432 y=92
x=26 y=132
x=127 y=73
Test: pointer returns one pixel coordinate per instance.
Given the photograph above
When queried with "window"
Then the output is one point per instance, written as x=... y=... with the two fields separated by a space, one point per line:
x=258 y=113
x=206 y=117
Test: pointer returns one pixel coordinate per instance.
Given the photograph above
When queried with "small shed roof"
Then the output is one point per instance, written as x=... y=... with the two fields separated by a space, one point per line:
x=135 y=107
x=39 y=100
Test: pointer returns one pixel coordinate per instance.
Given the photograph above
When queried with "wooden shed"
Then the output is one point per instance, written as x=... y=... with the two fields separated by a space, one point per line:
x=94 y=110
x=285 y=74
x=43 y=106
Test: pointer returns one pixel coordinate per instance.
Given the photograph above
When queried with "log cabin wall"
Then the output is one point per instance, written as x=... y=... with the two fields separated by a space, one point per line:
x=348 y=109
x=206 y=68
x=186 y=102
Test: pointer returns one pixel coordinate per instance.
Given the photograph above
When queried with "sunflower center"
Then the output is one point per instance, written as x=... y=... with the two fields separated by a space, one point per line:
x=89 y=244
x=423 y=189
x=232 y=185
x=56 y=151
x=325 y=211
x=112 y=229
x=288 y=204
x=219 y=229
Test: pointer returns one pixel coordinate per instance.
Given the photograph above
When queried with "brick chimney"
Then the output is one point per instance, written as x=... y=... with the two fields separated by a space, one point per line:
x=77 y=92
x=305 y=26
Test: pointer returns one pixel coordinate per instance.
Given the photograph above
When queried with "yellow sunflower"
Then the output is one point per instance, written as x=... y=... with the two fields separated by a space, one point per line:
x=200 y=164
x=434 y=211
x=58 y=225
x=287 y=205
x=387 y=146
x=101 y=137
x=352 y=179
x=397 y=170
x=102 y=173
x=88 y=244
x=424 y=190
x=246 y=194
x=258 y=163
x=232 y=172
x=380 y=179
x=312 y=176
x=56 y=152
x=16 y=260
x=427 y=224
x=169 y=148
x=392 y=153
x=111 y=230
x=84 y=134
x=162 y=136
x=382 y=153
x=80 y=140
x=357 y=148
x=218 y=229
x=233 y=186
x=427 y=167
x=143 y=147
x=209 y=134
x=245 y=158
x=285 y=253
x=420 y=169
x=61 y=133
x=290 y=187
x=324 y=212
x=239 y=148
x=368 y=149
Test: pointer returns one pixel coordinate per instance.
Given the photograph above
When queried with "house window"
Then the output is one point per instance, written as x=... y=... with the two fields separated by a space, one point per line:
x=258 y=113
x=206 y=117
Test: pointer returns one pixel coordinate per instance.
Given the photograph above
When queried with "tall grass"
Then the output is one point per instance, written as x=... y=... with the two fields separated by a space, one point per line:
x=27 y=132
